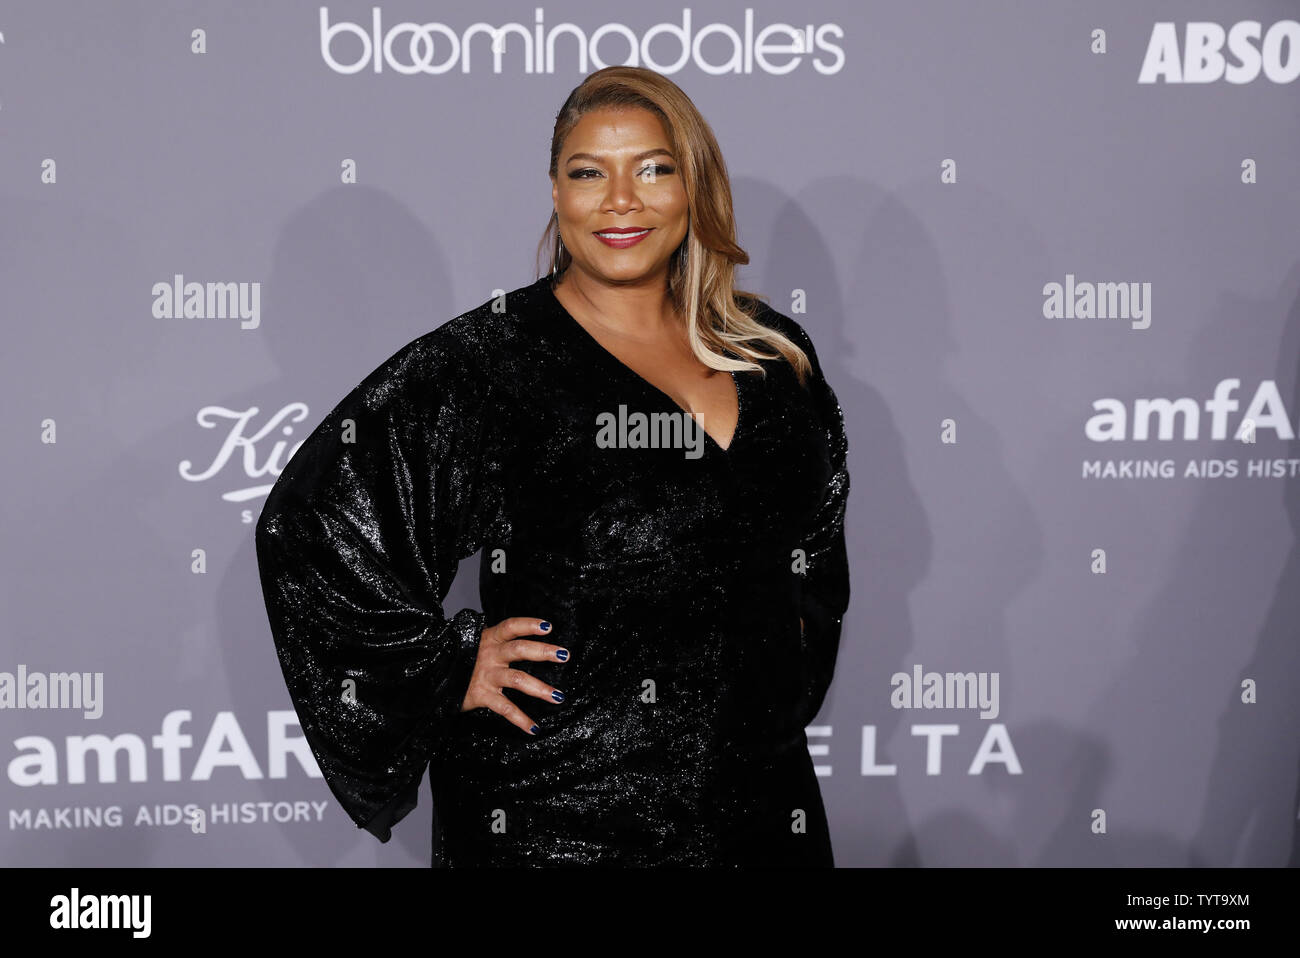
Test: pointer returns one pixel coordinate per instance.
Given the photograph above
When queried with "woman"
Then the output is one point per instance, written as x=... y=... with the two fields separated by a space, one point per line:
x=661 y=604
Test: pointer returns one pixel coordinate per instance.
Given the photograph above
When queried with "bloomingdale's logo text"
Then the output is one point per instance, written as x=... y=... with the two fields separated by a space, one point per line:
x=777 y=48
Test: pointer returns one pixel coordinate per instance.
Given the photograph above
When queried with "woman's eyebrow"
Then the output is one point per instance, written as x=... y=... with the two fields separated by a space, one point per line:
x=601 y=159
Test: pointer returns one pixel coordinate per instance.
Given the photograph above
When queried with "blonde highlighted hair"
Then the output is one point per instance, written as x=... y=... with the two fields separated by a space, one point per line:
x=701 y=272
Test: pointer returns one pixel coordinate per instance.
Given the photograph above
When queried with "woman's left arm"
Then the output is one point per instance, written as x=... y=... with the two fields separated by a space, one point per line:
x=824 y=587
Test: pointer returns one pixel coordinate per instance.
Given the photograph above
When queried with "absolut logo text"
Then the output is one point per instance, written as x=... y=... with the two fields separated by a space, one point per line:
x=1273 y=53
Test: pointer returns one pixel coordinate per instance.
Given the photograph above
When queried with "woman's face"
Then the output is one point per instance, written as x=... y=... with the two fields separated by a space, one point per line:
x=615 y=170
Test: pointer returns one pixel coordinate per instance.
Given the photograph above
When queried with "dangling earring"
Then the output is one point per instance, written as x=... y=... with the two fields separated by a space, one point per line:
x=559 y=245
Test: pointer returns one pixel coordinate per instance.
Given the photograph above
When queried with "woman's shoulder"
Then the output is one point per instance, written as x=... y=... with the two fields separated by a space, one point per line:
x=769 y=316
x=498 y=321
x=460 y=352
x=451 y=365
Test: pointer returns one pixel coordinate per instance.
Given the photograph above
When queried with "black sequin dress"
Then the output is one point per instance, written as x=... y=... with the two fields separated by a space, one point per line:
x=675 y=575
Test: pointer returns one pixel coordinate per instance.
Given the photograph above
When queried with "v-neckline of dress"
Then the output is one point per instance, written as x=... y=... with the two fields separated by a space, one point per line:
x=584 y=335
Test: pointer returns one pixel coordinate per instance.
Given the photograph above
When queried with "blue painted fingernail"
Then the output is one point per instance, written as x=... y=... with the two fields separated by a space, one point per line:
x=557 y=695
x=562 y=654
x=546 y=627
x=533 y=730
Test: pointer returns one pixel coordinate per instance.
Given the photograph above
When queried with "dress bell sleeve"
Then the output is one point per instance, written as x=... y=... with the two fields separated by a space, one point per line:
x=357 y=545
x=824 y=587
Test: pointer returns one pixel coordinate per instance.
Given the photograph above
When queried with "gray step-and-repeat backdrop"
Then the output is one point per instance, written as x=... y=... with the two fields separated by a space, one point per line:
x=1048 y=255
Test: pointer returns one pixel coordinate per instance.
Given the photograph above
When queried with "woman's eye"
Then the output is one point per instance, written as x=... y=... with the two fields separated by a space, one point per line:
x=647 y=173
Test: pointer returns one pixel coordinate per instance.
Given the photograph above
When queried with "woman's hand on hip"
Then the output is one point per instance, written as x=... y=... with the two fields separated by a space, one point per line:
x=498 y=646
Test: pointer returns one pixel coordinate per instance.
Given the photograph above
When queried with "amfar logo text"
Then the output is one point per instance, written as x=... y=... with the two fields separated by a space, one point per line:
x=1202 y=59
x=777 y=48
x=1266 y=410
x=224 y=746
